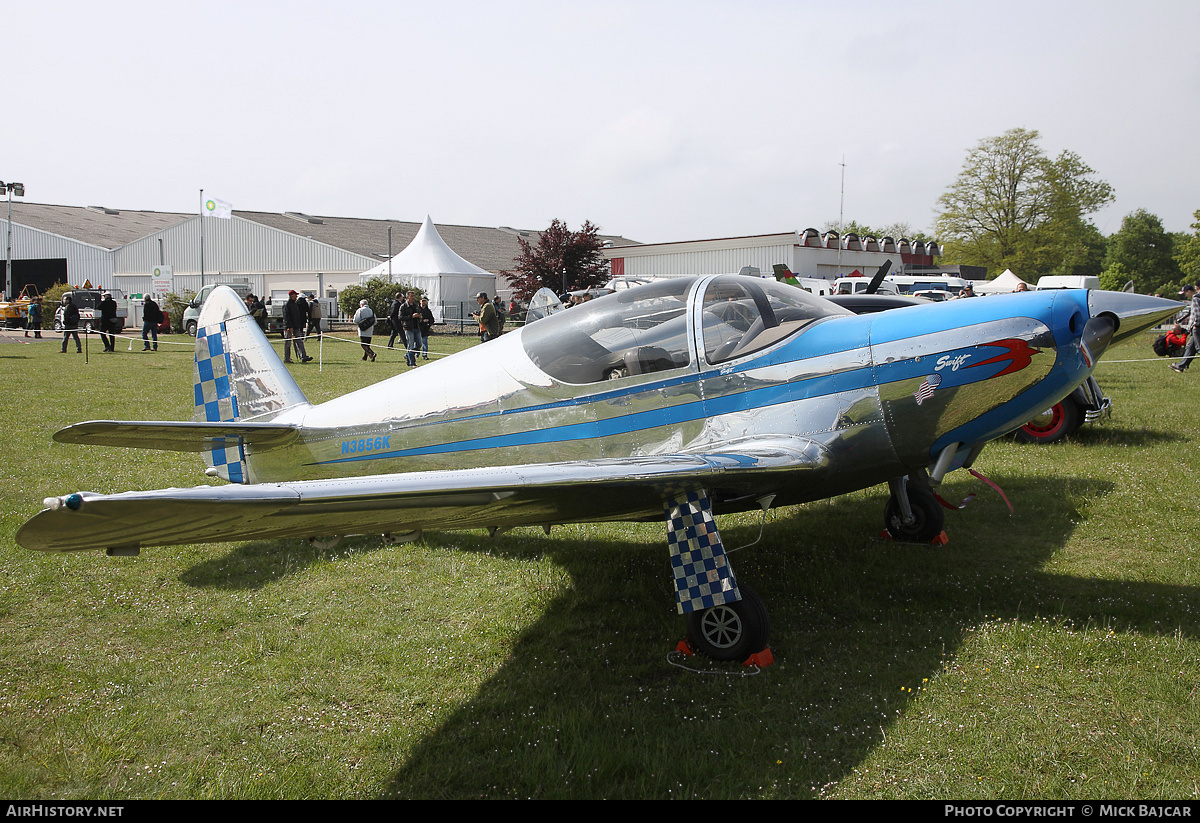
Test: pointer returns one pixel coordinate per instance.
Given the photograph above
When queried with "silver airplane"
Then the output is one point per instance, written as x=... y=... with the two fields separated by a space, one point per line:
x=676 y=401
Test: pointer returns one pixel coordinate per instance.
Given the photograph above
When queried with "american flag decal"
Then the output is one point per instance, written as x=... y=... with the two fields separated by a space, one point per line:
x=925 y=391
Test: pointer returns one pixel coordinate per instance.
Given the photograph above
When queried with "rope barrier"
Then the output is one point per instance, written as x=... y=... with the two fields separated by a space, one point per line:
x=50 y=334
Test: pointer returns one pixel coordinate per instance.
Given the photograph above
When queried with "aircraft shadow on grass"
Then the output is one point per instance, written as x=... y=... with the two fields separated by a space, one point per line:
x=855 y=621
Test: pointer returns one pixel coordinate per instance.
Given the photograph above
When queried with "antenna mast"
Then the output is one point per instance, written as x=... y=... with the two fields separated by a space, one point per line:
x=841 y=216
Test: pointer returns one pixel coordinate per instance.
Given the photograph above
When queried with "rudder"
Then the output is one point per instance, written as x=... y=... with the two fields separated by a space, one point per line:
x=237 y=376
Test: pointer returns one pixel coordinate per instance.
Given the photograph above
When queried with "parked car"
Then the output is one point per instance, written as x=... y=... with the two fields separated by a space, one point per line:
x=1086 y=404
x=88 y=303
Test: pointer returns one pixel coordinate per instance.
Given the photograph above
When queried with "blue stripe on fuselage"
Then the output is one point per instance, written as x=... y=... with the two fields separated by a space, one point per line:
x=837 y=335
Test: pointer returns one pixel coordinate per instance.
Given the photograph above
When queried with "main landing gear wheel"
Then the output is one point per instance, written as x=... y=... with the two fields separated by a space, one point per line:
x=928 y=517
x=732 y=631
x=1055 y=423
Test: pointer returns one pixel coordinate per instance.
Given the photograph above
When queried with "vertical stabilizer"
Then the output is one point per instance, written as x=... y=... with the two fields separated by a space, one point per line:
x=237 y=376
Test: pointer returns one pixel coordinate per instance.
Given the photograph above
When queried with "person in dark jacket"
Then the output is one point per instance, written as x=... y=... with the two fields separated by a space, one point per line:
x=394 y=319
x=410 y=322
x=108 y=322
x=70 y=323
x=152 y=318
x=426 y=326
x=257 y=310
x=295 y=323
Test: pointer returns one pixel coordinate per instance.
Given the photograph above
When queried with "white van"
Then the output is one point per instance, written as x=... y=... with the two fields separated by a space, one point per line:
x=912 y=283
x=858 y=285
x=1068 y=281
x=815 y=285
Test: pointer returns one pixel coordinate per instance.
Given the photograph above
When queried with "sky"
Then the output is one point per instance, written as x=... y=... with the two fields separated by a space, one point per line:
x=656 y=121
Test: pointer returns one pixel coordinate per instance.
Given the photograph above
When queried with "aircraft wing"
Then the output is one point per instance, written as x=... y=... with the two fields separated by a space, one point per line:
x=184 y=436
x=495 y=497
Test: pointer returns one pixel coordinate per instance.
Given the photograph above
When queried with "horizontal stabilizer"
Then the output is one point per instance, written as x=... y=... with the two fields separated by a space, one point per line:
x=174 y=436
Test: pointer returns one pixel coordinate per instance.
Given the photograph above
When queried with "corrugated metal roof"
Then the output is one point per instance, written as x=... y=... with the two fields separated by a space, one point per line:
x=93 y=225
x=490 y=248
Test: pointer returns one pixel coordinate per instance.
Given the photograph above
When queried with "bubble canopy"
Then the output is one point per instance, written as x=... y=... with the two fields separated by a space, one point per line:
x=648 y=329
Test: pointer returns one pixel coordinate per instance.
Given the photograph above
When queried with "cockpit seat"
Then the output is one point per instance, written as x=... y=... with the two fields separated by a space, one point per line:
x=647 y=359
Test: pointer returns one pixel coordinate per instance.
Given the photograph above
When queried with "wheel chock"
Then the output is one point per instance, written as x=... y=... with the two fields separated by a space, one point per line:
x=941 y=540
x=760 y=659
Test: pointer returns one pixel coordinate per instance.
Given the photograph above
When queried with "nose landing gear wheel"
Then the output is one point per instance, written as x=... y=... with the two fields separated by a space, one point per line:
x=1056 y=423
x=928 y=518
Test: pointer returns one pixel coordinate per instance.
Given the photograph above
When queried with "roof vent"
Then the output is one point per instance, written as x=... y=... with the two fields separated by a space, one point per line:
x=304 y=218
x=102 y=210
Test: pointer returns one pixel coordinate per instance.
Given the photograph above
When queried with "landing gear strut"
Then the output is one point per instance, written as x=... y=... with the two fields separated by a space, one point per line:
x=725 y=620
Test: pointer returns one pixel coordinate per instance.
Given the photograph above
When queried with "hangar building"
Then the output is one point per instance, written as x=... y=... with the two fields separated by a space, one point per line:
x=806 y=254
x=121 y=248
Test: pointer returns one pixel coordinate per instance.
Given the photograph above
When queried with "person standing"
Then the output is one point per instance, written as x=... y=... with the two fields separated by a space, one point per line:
x=426 y=326
x=108 y=322
x=489 y=324
x=364 y=318
x=33 y=322
x=258 y=310
x=70 y=323
x=294 y=324
x=1193 y=324
x=394 y=319
x=151 y=319
x=305 y=313
x=314 y=316
x=498 y=304
x=410 y=322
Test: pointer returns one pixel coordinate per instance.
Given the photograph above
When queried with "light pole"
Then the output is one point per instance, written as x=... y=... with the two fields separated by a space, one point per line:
x=19 y=190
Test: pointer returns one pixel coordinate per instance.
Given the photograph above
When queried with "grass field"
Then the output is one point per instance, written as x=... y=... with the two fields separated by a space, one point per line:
x=1049 y=653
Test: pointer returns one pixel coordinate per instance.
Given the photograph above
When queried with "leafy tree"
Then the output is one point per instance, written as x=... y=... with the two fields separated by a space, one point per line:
x=1187 y=252
x=562 y=260
x=1144 y=249
x=1114 y=278
x=174 y=304
x=379 y=294
x=1012 y=207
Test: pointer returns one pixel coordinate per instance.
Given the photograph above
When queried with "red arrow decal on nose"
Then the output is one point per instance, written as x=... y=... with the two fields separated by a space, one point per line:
x=1018 y=355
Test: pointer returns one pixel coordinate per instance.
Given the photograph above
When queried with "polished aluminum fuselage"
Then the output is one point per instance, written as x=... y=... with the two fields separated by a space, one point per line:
x=846 y=384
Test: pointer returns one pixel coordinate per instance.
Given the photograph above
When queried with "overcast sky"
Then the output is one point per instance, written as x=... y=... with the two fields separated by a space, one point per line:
x=657 y=121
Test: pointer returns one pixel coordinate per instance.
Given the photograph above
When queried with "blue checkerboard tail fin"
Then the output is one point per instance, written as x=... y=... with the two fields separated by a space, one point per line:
x=238 y=377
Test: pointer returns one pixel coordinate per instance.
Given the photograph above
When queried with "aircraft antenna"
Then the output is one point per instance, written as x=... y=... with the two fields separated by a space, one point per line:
x=841 y=215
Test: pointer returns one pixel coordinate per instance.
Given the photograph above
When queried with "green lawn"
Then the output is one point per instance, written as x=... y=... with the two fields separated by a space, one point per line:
x=1049 y=653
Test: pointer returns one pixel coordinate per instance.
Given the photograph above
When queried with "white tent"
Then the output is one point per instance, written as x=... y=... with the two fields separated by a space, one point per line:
x=449 y=281
x=1001 y=285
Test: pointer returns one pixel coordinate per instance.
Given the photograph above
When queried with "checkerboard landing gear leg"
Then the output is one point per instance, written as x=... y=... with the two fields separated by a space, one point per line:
x=725 y=621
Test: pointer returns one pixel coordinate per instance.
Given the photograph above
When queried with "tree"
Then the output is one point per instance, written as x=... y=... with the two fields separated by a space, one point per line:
x=1012 y=207
x=1114 y=278
x=1187 y=252
x=378 y=293
x=561 y=260
x=1144 y=249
